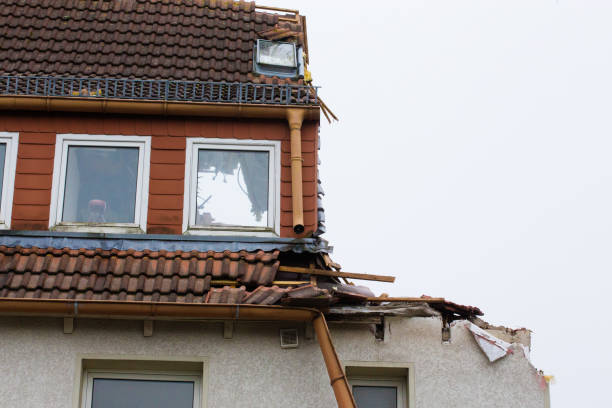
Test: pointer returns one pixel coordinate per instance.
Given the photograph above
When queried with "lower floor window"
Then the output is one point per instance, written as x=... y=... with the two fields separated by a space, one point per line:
x=379 y=393
x=380 y=384
x=115 y=389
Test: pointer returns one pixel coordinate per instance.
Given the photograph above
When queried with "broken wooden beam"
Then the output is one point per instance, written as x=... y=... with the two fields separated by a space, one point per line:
x=325 y=272
x=234 y=283
x=406 y=299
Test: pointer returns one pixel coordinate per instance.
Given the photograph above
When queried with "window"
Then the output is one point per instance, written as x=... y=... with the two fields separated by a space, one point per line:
x=141 y=382
x=276 y=53
x=8 y=161
x=275 y=58
x=100 y=183
x=110 y=389
x=372 y=392
x=232 y=187
x=381 y=384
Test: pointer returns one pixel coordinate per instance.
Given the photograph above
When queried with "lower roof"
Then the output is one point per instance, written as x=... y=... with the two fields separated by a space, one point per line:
x=164 y=276
x=158 y=268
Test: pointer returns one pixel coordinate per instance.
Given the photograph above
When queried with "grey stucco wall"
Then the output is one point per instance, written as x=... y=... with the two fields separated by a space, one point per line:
x=39 y=362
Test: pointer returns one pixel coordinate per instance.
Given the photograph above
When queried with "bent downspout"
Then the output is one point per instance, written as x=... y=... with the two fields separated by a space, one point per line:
x=295 y=117
x=192 y=311
x=337 y=378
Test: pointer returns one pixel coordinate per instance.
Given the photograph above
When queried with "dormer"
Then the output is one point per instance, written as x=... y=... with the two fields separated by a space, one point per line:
x=210 y=130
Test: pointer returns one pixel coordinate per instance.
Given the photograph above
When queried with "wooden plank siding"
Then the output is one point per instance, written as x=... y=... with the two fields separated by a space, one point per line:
x=37 y=131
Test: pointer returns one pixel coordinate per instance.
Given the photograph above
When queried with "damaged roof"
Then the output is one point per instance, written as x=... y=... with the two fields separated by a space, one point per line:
x=163 y=276
x=229 y=277
x=151 y=276
x=204 y=40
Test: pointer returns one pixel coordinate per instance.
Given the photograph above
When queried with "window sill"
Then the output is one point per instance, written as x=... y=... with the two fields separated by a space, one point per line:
x=242 y=232
x=99 y=228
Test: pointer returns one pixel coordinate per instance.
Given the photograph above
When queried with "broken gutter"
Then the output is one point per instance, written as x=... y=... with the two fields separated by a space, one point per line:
x=193 y=311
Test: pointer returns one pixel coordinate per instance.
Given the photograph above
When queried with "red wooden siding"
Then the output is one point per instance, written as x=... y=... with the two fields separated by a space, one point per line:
x=37 y=147
x=34 y=172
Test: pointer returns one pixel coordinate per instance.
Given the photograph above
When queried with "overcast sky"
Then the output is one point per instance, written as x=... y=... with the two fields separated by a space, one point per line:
x=473 y=160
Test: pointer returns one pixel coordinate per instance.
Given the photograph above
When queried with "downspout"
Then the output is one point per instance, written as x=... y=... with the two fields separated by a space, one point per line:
x=192 y=311
x=337 y=378
x=295 y=117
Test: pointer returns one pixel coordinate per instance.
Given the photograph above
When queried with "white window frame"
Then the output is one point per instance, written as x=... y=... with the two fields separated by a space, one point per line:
x=8 y=180
x=397 y=382
x=189 y=200
x=63 y=141
x=375 y=371
x=90 y=375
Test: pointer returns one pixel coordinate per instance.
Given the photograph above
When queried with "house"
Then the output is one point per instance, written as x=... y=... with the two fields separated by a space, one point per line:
x=161 y=228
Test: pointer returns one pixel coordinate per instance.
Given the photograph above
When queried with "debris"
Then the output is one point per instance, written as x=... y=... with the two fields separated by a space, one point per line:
x=360 y=312
x=325 y=272
x=493 y=347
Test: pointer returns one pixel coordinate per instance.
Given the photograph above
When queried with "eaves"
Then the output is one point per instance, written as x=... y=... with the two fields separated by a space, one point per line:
x=153 y=107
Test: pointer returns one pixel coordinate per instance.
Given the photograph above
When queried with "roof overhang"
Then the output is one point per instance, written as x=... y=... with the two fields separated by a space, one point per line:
x=154 y=107
x=155 y=310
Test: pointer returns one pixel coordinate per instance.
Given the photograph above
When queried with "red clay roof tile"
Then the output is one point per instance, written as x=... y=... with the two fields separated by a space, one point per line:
x=113 y=274
x=183 y=40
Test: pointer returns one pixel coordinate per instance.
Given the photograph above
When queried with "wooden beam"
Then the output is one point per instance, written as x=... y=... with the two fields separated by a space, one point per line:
x=406 y=299
x=325 y=272
x=234 y=283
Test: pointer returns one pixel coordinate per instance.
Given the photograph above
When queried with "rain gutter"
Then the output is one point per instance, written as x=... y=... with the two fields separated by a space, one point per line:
x=192 y=311
x=155 y=107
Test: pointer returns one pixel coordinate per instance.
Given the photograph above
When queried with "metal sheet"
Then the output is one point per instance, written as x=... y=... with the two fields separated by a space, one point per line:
x=157 y=242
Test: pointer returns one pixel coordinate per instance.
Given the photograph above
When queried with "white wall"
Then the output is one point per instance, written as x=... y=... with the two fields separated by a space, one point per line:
x=39 y=362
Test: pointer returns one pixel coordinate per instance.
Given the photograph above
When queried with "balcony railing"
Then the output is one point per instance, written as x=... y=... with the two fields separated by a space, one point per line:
x=159 y=90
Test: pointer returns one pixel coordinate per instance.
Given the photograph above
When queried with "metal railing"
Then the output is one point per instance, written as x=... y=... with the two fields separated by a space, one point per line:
x=158 y=89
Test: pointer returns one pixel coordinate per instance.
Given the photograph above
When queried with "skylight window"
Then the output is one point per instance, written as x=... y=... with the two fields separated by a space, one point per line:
x=276 y=53
x=275 y=58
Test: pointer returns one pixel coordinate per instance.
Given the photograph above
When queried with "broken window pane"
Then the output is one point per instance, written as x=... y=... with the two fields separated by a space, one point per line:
x=375 y=397
x=232 y=188
x=116 y=393
x=2 y=157
x=276 y=53
x=100 y=184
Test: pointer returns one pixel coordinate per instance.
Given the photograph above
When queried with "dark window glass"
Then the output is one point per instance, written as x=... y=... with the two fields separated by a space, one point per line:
x=117 y=393
x=375 y=397
x=2 y=156
x=232 y=188
x=101 y=184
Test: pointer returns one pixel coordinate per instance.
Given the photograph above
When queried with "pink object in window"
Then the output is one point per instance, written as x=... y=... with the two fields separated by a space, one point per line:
x=97 y=208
